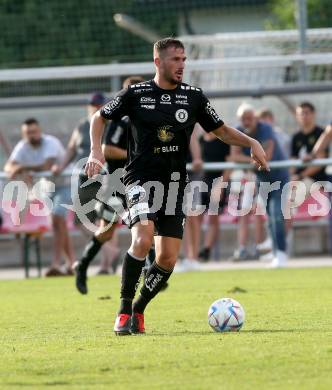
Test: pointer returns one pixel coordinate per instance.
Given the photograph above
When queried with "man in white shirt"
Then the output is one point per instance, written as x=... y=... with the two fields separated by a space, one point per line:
x=38 y=152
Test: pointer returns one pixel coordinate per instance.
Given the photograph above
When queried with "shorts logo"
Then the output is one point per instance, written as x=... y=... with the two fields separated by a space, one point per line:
x=135 y=194
x=181 y=115
x=164 y=134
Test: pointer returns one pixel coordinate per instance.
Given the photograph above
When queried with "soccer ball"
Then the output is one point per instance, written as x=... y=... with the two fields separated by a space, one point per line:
x=226 y=315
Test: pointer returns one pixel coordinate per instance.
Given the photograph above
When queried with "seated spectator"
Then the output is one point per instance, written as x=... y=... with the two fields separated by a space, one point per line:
x=303 y=143
x=37 y=152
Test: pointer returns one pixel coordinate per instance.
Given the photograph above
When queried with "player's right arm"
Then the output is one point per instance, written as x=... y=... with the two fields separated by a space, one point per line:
x=115 y=109
x=96 y=158
x=232 y=136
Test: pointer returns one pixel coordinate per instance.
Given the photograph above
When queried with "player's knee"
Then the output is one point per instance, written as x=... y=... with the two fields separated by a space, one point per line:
x=104 y=235
x=166 y=262
x=142 y=245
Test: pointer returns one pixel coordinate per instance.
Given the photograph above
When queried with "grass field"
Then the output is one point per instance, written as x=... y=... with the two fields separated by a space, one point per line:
x=53 y=337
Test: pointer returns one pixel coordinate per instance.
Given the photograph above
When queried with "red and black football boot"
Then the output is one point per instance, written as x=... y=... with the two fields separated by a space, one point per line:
x=137 y=323
x=122 y=325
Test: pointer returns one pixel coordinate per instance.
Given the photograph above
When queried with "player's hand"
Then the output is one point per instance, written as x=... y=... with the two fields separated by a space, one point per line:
x=197 y=164
x=259 y=157
x=95 y=163
x=56 y=169
x=308 y=157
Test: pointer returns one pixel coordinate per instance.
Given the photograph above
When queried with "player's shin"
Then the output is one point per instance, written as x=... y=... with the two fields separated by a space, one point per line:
x=155 y=280
x=131 y=273
x=90 y=251
x=81 y=267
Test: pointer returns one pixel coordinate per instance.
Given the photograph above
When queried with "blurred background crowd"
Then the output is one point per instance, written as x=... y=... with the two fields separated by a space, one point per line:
x=266 y=66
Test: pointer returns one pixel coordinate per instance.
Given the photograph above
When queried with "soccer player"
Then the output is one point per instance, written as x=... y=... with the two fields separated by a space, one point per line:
x=163 y=112
x=115 y=151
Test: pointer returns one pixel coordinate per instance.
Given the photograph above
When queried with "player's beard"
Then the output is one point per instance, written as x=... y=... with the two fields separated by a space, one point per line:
x=170 y=79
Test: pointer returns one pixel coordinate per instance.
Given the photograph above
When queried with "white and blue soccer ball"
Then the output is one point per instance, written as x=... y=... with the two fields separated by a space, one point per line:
x=226 y=315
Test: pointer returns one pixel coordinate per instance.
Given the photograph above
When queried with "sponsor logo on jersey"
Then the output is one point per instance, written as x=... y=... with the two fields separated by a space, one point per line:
x=211 y=111
x=112 y=105
x=165 y=97
x=148 y=106
x=145 y=99
x=135 y=194
x=182 y=100
x=165 y=149
x=164 y=134
x=143 y=90
x=181 y=115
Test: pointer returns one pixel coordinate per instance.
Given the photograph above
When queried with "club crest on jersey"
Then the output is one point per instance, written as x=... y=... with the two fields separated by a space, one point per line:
x=181 y=115
x=164 y=134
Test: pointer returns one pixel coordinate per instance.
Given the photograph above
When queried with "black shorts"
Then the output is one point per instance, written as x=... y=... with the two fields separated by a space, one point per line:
x=161 y=202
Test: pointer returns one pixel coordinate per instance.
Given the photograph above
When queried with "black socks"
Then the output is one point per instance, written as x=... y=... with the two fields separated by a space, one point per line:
x=155 y=279
x=131 y=273
x=90 y=251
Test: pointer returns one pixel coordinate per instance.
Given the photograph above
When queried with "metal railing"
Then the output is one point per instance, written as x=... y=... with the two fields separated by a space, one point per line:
x=220 y=166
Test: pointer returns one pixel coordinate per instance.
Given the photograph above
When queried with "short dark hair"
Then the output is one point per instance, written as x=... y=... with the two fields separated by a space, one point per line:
x=265 y=112
x=165 y=43
x=307 y=105
x=30 y=121
x=131 y=80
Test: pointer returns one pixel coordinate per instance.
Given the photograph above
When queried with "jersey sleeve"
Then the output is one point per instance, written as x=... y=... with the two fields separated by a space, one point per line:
x=117 y=107
x=207 y=116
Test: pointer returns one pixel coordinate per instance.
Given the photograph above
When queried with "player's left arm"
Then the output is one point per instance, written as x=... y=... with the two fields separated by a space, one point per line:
x=195 y=148
x=232 y=136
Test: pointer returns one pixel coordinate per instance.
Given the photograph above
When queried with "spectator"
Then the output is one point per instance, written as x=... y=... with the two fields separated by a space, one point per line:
x=263 y=246
x=304 y=141
x=38 y=152
x=192 y=227
x=4 y=149
x=212 y=151
x=266 y=136
x=267 y=116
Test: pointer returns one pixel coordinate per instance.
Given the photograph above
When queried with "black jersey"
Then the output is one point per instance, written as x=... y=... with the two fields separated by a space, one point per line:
x=303 y=144
x=161 y=124
x=116 y=135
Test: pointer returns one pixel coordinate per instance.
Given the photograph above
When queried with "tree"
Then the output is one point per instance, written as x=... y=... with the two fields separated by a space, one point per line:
x=284 y=14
